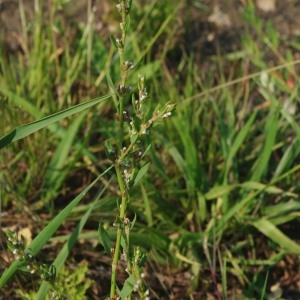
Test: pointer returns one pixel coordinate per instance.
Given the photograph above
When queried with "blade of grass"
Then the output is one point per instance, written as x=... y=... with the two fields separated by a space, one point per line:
x=221 y=226
x=292 y=152
x=260 y=166
x=147 y=206
x=66 y=250
x=182 y=164
x=263 y=292
x=149 y=239
x=56 y=172
x=288 y=157
x=239 y=80
x=237 y=143
x=22 y=102
x=279 y=209
x=267 y=228
x=44 y=236
x=25 y=130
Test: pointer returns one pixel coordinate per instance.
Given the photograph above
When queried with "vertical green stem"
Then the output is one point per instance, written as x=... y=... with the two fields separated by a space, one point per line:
x=123 y=72
x=122 y=186
x=119 y=231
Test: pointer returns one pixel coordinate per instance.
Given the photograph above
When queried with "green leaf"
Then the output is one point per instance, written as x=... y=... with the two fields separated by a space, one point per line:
x=142 y=171
x=282 y=209
x=124 y=244
x=137 y=123
x=129 y=5
x=260 y=166
x=113 y=41
x=253 y=185
x=128 y=287
x=105 y=239
x=238 y=141
x=65 y=251
x=273 y=233
x=110 y=83
x=25 y=130
x=142 y=260
x=219 y=191
x=133 y=222
x=57 y=169
x=110 y=150
x=22 y=102
x=127 y=22
x=251 y=196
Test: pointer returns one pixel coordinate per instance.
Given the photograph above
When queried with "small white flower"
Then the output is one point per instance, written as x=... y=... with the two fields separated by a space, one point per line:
x=166 y=115
x=119 y=7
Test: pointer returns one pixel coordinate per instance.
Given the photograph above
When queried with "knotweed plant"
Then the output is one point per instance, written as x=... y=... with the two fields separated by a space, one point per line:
x=128 y=156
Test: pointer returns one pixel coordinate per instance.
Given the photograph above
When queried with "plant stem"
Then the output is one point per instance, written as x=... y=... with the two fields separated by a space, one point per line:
x=119 y=230
x=122 y=185
x=123 y=71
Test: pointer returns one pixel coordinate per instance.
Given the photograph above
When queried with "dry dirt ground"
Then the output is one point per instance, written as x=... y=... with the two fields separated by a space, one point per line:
x=210 y=23
x=209 y=20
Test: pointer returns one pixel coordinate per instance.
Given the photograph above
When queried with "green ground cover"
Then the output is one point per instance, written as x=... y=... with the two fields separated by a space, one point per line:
x=217 y=211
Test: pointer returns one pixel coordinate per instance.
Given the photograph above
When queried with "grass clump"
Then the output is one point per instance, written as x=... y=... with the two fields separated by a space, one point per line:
x=217 y=210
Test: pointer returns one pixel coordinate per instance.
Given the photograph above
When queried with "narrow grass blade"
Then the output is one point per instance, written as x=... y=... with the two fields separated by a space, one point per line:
x=161 y=29
x=270 y=189
x=240 y=138
x=273 y=233
x=263 y=292
x=128 y=287
x=224 y=278
x=219 y=191
x=247 y=199
x=105 y=239
x=188 y=170
x=282 y=209
x=55 y=172
x=148 y=239
x=271 y=129
x=142 y=171
x=43 y=237
x=187 y=160
x=65 y=251
x=147 y=206
x=25 y=130
x=22 y=102
x=292 y=152
x=288 y=158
